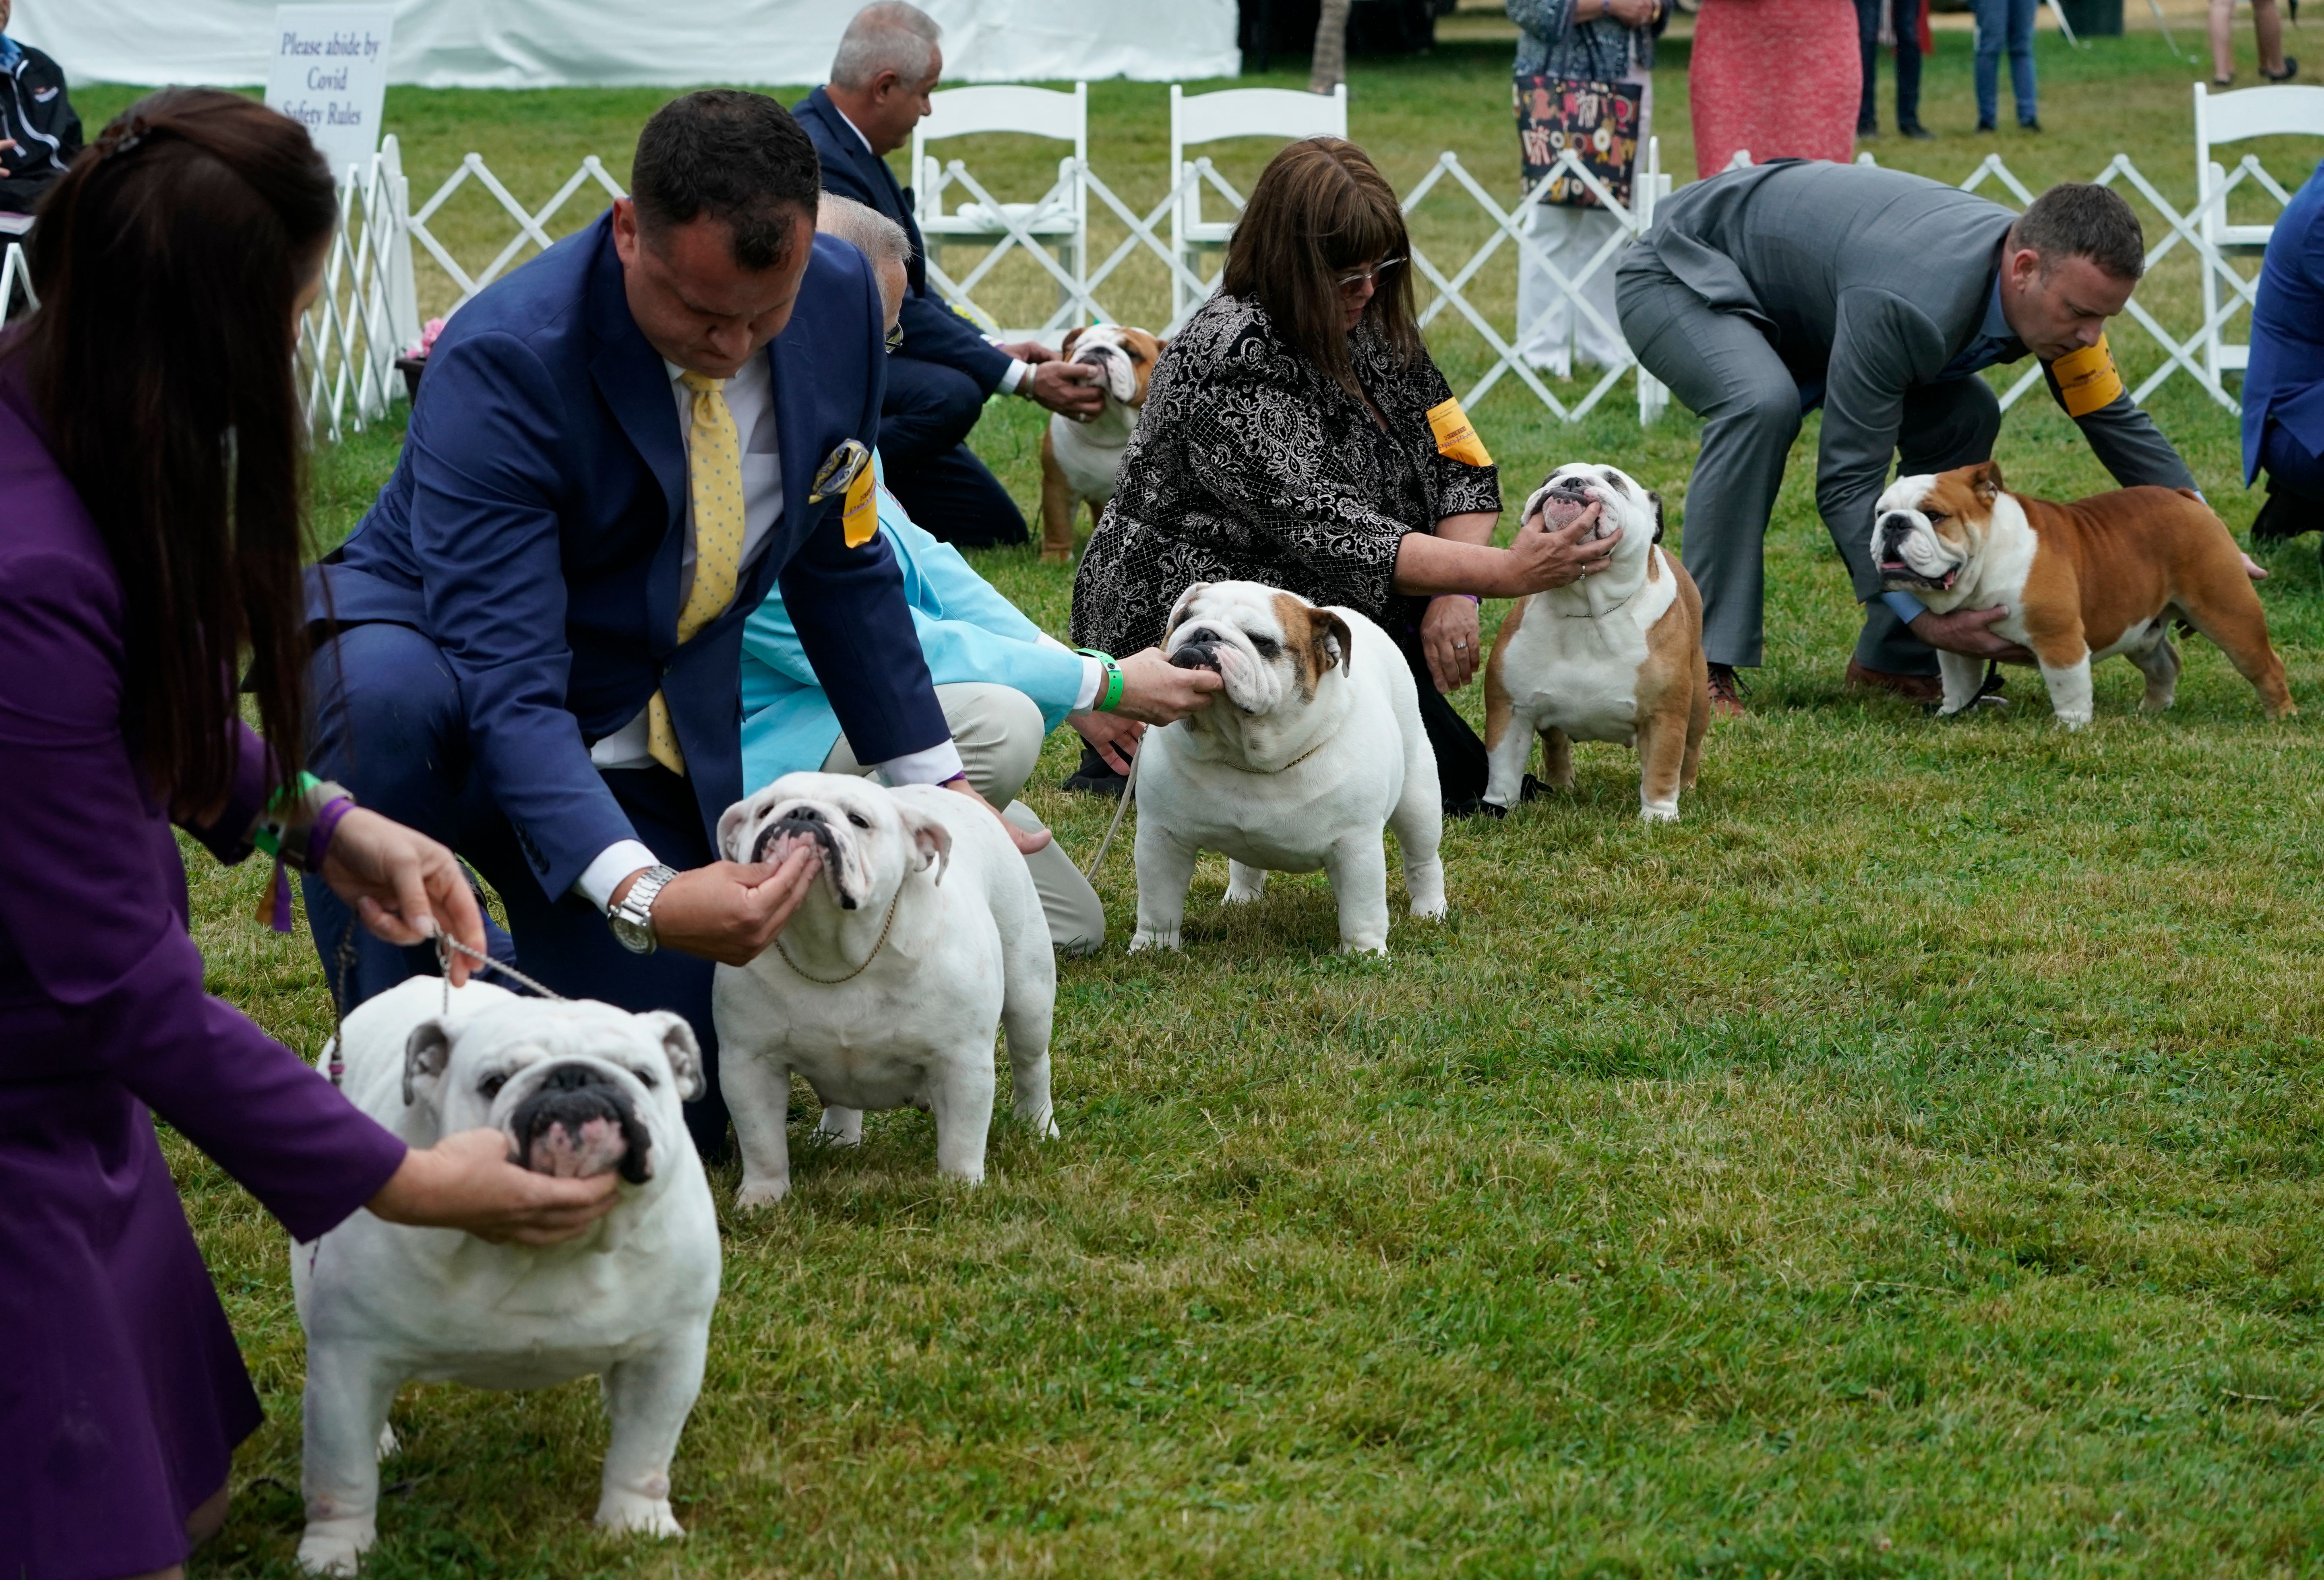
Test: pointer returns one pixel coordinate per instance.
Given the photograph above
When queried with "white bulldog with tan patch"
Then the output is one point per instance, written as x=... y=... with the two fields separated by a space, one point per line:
x=580 y=1089
x=1079 y=460
x=1311 y=752
x=1612 y=657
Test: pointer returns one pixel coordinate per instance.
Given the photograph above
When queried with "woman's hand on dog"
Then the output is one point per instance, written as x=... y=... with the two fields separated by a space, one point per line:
x=1540 y=559
x=465 y=1181
x=1114 y=737
x=1155 y=691
x=1448 y=637
x=403 y=884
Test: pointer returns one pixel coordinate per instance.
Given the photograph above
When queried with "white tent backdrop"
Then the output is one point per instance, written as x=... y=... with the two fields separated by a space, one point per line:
x=557 y=43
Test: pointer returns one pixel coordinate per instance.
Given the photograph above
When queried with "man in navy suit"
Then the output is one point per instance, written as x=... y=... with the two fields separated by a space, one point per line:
x=668 y=403
x=888 y=62
x=2283 y=387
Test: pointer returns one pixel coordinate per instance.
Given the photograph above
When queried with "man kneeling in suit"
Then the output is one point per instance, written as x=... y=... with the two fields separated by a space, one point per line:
x=888 y=62
x=1766 y=292
x=530 y=648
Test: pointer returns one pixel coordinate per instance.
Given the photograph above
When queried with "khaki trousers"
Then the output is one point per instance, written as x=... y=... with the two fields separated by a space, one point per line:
x=998 y=732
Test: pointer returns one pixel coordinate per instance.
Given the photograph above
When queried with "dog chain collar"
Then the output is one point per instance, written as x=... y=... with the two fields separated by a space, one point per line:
x=835 y=981
x=1286 y=769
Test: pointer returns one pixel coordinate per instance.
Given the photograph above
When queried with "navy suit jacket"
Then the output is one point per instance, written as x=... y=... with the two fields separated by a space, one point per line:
x=932 y=332
x=534 y=528
x=2285 y=380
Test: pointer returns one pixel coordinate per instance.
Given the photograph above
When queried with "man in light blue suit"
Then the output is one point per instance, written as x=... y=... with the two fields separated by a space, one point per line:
x=530 y=647
x=2283 y=387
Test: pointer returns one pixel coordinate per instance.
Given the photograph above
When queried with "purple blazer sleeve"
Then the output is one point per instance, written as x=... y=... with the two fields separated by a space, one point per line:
x=92 y=896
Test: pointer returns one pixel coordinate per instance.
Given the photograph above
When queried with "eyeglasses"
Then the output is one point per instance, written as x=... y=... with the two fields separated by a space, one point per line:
x=1369 y=274
x=895 y=335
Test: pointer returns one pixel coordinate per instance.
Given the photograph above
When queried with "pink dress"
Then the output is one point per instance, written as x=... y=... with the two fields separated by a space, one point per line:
x=1780 y=78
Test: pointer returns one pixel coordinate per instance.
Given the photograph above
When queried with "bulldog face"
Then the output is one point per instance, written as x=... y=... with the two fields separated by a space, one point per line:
x=869 y=841
x=1926 y=530
x=1273 y=648
x=1125 y=356
x=1623 y=505
x=578 y=1087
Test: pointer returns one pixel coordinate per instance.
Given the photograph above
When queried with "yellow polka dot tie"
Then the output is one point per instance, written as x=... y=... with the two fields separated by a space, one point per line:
x=714 y=467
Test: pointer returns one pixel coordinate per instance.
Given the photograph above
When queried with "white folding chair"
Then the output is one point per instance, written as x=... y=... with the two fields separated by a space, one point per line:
x=2234 y=117
x=1234 y=112
x=1058 y=221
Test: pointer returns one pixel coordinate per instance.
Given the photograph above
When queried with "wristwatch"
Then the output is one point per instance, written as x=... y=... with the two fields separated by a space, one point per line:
x=632 y=916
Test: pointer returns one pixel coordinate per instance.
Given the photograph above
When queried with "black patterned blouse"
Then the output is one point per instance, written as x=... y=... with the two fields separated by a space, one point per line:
x=1251 y=463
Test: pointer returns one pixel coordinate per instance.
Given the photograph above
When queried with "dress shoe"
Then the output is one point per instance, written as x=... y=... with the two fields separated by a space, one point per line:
x=1913 y=688
x=2285 y=516
x=1094 y=777
x=1918 y=133
x=1985 y=126
x=1728 y=690
x=2291 y=70
x=2030 y=124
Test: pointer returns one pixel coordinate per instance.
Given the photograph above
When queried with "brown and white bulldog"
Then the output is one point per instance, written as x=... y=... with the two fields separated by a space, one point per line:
x=2107 y=574
x=1079 y=459
x=1616 y=656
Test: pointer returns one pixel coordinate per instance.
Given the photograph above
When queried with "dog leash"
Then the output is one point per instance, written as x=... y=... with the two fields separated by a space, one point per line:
x=835 y=981
x=1129 y=789
x=446 y=946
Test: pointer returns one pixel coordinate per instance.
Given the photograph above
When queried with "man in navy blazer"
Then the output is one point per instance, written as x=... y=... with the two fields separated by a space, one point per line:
x=2283 y=387
x=491 y=638
x=888 y=62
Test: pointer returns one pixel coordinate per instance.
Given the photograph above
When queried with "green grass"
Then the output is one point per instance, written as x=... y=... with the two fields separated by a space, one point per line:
x=1909 y=1164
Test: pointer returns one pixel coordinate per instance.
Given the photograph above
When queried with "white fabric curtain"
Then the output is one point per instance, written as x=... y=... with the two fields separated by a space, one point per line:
x=563 y=43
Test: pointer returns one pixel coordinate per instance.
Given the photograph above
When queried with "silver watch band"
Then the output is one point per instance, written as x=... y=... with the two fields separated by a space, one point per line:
x=632 y=916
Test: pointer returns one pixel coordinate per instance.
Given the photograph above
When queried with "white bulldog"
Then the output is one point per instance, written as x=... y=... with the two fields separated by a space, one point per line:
x=885 y=990
x=1312 y=750
x=580 y=1089
x=1614 y=657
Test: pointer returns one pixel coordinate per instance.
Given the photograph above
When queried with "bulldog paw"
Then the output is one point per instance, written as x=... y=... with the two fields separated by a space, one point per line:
x=387 y=1440
x=760 y=1193
x=334 y=1547
x=630 y=1514
x=1358 y=946
x=1667 y=812
x=1043 y=1124
x=1153 y=938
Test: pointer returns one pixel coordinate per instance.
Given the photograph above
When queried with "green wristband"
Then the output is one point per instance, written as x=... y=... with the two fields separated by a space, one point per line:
x=1109 y=696
x=267 y=832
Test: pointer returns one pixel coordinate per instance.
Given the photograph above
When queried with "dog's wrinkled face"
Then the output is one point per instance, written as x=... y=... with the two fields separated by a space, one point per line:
x=578 y=1087
x=868 y=841
x=1125 y=356
x=1623 y=504
x=1926 y=530
x=1270 y=646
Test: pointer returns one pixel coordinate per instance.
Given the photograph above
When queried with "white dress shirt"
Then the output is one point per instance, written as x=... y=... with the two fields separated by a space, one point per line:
x=750 y=398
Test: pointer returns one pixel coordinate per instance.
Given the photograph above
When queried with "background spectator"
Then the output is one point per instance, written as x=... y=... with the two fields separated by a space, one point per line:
x=887 y=63
x=1906 y=23
x=1779 y=78
x=1591 y=40
x=2273 y=64
x=2006 y=24
x=2283 y=388
x=39 y=132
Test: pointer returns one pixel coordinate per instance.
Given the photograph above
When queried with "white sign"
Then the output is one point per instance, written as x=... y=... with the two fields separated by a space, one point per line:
x=330 y=74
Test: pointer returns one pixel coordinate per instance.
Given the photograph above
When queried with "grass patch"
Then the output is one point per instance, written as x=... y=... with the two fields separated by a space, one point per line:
x=1909 y=1164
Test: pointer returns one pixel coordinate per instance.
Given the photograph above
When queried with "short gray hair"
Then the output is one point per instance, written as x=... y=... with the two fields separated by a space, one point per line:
x=888 y=36
x=866 y=229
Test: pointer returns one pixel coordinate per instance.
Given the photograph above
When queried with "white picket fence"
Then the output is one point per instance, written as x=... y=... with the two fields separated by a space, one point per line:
x=369 y=312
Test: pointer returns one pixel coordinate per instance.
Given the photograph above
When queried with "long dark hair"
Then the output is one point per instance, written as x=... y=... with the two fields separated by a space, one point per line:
x=168 y=260
x=1321 y=209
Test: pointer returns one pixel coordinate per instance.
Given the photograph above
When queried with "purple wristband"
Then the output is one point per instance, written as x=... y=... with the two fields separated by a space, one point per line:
x=325 y=824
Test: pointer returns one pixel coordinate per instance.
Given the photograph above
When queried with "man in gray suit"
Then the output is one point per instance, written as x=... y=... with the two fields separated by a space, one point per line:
x=1767 y=291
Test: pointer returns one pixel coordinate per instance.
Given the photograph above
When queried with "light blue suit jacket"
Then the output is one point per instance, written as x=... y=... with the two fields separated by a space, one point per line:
x=968 y=631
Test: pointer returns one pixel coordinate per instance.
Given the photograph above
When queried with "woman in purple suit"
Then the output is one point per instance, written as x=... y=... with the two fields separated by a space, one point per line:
x=151 y=535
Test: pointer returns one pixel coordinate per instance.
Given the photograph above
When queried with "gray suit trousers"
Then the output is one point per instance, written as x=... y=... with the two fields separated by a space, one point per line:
x=1723 y=369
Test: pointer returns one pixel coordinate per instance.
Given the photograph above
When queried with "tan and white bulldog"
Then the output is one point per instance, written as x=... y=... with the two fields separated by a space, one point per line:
x=1079 y=459
x=1312 y=749
x=1613 y=657
x=2107 y=574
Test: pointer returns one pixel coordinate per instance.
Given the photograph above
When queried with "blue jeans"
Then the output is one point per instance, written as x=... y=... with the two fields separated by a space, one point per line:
x=1999 y=23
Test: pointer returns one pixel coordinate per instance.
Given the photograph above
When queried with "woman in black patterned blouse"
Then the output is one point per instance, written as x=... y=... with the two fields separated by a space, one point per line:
x=1287 y=439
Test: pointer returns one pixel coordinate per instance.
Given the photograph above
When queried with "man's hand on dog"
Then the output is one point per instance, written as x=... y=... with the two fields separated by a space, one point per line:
x=1967 y=630
x=1073 y=390
x=730 y=911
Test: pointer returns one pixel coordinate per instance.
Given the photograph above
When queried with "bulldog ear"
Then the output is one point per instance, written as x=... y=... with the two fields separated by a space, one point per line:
x=1073 y=335
x=734 y=830
x=1986 y=480
x=1655 y=500
x=1179 y=610
x=931 y=842
x=1331 y=640
x=426 y=1052
x=684 y=1053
